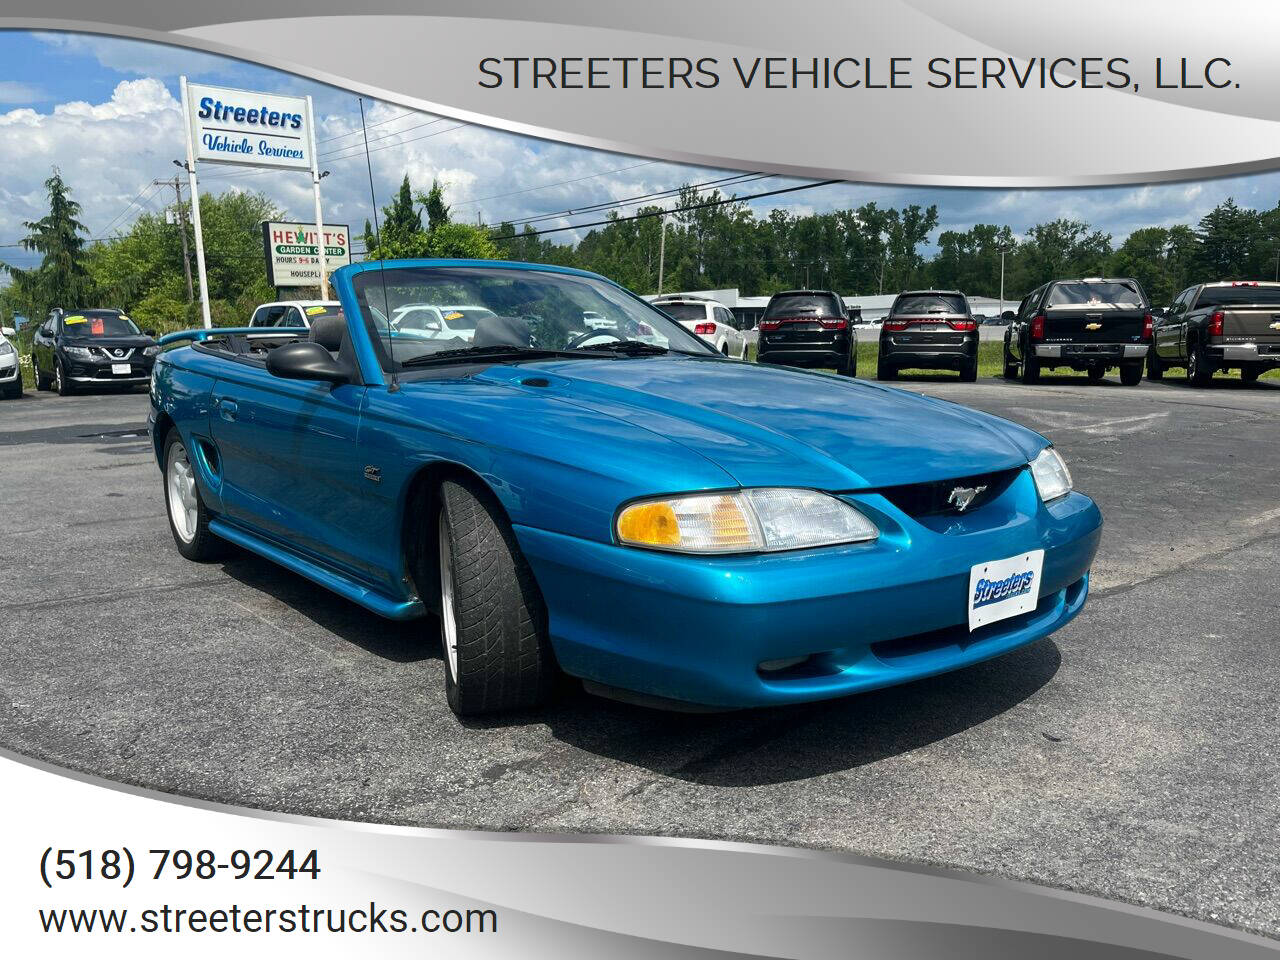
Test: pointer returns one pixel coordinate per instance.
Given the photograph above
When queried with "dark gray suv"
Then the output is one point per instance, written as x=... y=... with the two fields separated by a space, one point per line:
x=933 y=329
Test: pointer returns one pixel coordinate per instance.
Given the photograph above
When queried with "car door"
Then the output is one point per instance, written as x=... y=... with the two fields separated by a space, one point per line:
x=42 y=345
x=290 y=460
x=1168 y=334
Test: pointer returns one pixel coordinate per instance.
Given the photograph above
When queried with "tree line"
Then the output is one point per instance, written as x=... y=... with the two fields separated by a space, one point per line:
x=711 y=242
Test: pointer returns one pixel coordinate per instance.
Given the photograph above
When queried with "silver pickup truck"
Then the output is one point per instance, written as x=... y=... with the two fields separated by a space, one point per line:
x=1219 y=326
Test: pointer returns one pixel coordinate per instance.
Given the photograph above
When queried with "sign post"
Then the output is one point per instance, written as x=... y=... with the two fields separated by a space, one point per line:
x=226 y=125
x=315 y=183
x=195 y=210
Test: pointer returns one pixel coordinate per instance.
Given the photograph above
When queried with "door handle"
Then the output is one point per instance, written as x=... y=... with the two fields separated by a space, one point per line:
x=227 y=409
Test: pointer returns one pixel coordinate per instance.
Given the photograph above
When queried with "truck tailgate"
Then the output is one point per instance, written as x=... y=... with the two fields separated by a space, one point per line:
x=1251 y=324
x=1093 y=325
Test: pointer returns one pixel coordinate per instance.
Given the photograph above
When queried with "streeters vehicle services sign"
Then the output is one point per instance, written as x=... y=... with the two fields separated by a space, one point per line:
x=242 y=126
x=293 y=258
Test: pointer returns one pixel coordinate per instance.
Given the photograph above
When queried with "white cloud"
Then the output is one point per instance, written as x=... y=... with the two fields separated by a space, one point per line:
x=138 y=57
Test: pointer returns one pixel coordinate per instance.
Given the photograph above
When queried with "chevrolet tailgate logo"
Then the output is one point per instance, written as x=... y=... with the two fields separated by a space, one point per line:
x=1093 y=326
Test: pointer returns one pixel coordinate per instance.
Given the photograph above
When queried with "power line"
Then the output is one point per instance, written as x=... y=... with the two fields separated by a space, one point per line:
x=663 y=213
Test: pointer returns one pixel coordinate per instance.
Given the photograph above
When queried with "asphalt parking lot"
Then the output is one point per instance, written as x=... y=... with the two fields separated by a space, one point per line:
x=1133 y=755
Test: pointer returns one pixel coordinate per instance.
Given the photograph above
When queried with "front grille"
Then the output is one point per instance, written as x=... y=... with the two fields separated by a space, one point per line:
x=934 y=498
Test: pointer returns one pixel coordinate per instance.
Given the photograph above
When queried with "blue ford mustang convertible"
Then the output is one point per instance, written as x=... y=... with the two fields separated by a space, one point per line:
x=577 y=485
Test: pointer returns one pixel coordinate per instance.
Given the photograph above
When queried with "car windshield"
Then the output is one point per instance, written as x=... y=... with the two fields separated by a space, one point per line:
x=802 y=305
x=925 y=303
x=1253 y=294
x=683 y=311
x=1094 y=293
x=98 y=323
x=506 y=309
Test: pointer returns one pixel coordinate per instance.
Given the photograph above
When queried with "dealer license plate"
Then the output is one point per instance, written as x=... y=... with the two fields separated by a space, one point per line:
x=121 y=368
x=1005 y=588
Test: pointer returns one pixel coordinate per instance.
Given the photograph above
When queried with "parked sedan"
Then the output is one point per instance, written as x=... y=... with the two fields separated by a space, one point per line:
x=667 y=525
x=808 y=328
x=74 y=349
x=1219 y=326
x=10 y=368
x=933 y=329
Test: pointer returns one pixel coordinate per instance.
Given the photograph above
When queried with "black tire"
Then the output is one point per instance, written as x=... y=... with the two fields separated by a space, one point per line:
x=13 y=391
x=1030 y=369
x=503 y=659
x=42 y=382
x=1155 y=366
x=969 y=371
x=885 y=370
x=62 y=384
x=1131 y=374
x=1096 y=373
x=1250 y=373
x=1010 y=364
x=203 y=546
x=1199 y=369
x=850 y=366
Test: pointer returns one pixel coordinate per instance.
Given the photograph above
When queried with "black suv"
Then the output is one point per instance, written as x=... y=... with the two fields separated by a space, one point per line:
x=83 y=348
x=808 y=328
x=933 y=329
x=1093 y=324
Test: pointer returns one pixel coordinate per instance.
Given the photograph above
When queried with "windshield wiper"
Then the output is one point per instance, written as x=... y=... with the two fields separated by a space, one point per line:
x=633 y=348
x=494 y=352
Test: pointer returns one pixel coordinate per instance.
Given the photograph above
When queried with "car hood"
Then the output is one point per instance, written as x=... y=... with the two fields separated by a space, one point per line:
x=137 y=342
x=768 y=426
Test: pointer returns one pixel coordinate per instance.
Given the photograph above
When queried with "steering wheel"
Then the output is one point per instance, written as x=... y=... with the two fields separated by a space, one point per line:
x=583 y=338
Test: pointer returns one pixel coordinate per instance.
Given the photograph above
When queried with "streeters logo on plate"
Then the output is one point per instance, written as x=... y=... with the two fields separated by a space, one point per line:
x=1004 y=588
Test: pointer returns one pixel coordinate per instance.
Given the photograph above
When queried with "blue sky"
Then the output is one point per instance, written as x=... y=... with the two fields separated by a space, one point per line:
x=105 y=111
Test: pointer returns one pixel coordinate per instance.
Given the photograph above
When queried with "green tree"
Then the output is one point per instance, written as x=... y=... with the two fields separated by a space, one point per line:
x=433 y=202
x=62 y=278
x=1233 y=242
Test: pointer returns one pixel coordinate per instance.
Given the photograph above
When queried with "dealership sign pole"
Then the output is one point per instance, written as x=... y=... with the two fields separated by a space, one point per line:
x=245 y=127
x=195 y=210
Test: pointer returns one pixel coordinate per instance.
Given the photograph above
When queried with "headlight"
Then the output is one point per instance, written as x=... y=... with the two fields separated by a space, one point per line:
x=151 y=351
x=745 y=521
x=80 y=353
x=1051 y=475
x=6 y=348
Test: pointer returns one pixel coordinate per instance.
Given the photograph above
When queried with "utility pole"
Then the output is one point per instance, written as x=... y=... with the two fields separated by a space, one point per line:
x=662 y=250
x=176 y=183
x=1003 y=251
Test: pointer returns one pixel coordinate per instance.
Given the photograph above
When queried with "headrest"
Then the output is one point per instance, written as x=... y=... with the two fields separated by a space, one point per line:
x=329 y=331
x=501 y=331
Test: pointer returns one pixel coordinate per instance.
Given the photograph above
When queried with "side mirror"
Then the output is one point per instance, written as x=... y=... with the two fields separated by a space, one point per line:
x=148 y=333
x=8 y=332
x=1008 y=315
x=305 y=360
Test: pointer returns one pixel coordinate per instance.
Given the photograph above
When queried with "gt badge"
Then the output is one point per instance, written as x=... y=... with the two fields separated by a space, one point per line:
x=961 y=497
x=1093 y=326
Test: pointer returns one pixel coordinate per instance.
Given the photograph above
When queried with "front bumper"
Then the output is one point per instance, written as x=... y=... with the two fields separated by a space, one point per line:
x=10 y=373
x=1089 y=352
x=697 y=629
x=101 y=373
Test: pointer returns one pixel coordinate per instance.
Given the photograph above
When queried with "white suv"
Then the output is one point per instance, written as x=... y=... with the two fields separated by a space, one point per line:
x=709 y=319
x=294 y=313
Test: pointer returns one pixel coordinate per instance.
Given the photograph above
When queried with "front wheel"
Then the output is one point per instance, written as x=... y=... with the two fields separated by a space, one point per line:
x=1131 y=374
x=61 y=382
x=1250 y=373
x=188 y=516
x=42 y=382
x=1096 y=374
x=493 y=621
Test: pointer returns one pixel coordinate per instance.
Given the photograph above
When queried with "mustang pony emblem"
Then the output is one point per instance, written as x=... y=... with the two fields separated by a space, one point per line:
x=1275 y=326
x=1093 y=326
x=961 y=497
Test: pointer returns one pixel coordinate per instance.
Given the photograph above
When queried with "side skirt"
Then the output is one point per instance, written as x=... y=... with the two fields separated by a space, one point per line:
x=319 y=574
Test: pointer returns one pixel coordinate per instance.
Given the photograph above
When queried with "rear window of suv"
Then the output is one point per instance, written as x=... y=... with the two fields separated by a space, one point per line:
x=926 y=303
x=683 y=311
x=802 y=305
x=1095 y=293
x=1268 y=296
